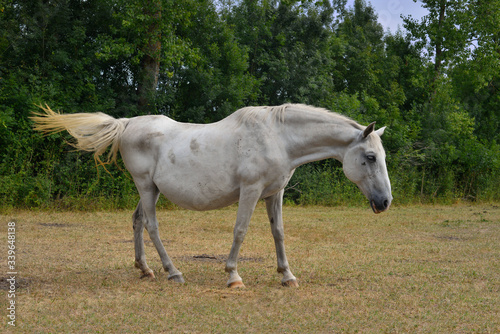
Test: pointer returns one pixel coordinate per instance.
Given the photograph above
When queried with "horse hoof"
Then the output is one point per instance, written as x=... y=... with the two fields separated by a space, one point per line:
x=176 y=278
x=291 y=283
x=148 y=275
x=236 y=285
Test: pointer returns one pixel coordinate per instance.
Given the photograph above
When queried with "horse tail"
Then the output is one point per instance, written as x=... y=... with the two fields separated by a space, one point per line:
x=94 y=132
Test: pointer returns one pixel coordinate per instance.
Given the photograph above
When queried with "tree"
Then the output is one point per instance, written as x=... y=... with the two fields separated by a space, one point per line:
x=477 y=77
x=446 y=31
x=210 y=81
x=363 y=35
x=289 y=48
x=460 y=36
x=47 y=55
x=142 y=41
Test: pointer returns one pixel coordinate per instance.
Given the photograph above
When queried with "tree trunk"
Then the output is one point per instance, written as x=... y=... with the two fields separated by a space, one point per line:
x=150 y=62
x=439 y=41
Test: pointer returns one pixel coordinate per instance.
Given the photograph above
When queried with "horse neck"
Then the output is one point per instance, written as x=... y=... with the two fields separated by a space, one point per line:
x=313 y=136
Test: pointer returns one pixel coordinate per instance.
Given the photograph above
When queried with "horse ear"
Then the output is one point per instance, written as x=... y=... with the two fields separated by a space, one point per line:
x=380 y=131
x=369 y=129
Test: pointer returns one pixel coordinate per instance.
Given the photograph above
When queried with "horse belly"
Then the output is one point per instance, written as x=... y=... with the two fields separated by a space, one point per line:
x=196 y=186
x=201 y=196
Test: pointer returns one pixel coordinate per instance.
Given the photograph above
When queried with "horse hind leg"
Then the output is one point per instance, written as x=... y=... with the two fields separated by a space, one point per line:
x=149 y=197
x=140 y=257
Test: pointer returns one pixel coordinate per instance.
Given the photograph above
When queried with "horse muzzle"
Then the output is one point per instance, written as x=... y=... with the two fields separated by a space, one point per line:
x=380 y=205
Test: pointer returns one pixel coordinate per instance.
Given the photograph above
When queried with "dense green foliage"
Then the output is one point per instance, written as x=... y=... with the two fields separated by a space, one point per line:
x=435 y=86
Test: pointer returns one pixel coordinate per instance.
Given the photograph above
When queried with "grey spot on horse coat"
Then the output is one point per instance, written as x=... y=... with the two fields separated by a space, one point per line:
x=154 y=134
x=145 y=143
x=194 y=146
x=171 y=156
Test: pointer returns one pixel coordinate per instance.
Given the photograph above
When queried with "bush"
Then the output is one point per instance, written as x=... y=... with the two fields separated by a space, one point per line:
x=322 y=183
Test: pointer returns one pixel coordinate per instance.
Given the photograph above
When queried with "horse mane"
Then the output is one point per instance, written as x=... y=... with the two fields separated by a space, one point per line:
x=278 y=113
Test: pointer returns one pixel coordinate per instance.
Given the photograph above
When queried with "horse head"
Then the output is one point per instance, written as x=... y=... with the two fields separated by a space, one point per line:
x=364 y=164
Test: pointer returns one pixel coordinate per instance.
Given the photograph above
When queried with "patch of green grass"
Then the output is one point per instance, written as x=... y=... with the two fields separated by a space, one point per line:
x=411 y=269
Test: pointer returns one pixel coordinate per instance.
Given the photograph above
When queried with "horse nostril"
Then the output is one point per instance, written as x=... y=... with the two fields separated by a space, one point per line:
x=386 y=204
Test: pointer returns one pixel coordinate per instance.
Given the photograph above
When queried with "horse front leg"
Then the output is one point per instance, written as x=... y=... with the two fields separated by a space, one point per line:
x=274 y=206
x=248 y=201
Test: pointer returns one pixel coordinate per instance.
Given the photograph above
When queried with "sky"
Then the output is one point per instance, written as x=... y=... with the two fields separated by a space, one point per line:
x=389 y=11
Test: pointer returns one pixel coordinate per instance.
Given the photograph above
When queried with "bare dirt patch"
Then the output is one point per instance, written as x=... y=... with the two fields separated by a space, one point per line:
x=218 y=258
x=54 y=224
x=20 y=283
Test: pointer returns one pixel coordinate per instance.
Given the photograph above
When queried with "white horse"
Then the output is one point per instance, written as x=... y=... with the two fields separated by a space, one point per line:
x=248 y=156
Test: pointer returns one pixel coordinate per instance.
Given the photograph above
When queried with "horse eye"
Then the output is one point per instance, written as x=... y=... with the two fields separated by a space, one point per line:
x=371 y=158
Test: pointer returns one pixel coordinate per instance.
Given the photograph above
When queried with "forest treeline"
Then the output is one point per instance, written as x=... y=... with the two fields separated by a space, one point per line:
x=434 y=84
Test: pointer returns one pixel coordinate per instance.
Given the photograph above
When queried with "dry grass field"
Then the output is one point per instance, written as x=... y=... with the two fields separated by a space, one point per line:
x=417 y=269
